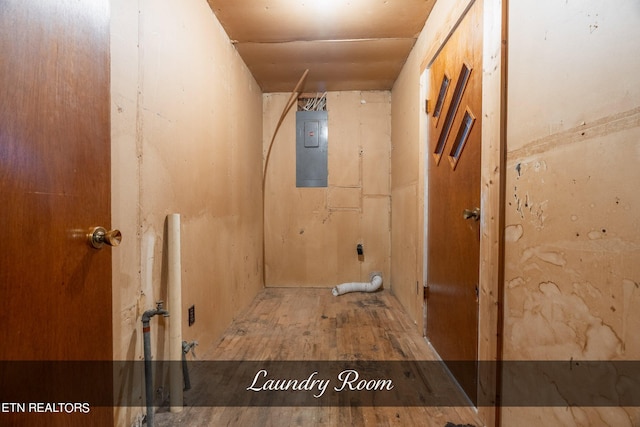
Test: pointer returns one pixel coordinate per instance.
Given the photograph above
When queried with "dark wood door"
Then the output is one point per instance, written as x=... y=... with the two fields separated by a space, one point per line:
x=455 y=95
x=54 y=185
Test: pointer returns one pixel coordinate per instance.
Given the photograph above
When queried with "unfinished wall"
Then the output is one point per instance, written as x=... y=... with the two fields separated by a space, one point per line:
x=571 y=238
x=311 y=233
x=572 y=278
x=186 y=138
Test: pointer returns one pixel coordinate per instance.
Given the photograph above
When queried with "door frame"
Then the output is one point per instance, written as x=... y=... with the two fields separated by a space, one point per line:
x=492 y=189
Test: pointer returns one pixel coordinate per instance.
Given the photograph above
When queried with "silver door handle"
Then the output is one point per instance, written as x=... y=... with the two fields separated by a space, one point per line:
x=468 y=214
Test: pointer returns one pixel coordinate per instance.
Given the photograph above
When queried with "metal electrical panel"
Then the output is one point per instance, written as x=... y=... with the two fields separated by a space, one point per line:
x=311 y=149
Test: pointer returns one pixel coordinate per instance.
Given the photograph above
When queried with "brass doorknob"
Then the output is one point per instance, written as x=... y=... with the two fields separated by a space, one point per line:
x=471 y=213
x=99 y=236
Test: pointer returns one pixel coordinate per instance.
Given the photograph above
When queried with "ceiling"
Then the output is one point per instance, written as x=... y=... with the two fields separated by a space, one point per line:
x=345 y=44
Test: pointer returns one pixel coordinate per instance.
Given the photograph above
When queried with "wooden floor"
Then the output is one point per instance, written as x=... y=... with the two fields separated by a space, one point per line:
x=286 y=324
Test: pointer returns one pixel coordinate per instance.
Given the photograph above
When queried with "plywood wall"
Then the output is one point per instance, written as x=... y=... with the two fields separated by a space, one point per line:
x=571 y=272
x=311 y=233
x=186 y=138
x=572 y=277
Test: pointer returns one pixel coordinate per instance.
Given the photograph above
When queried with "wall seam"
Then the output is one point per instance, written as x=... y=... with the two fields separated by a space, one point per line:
x=601 y=127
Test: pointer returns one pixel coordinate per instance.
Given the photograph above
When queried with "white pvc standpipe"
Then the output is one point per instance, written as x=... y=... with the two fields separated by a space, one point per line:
x=174 y=284
x=374 y=285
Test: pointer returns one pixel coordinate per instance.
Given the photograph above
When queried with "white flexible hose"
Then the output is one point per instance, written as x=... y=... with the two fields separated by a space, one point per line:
x=374 y=285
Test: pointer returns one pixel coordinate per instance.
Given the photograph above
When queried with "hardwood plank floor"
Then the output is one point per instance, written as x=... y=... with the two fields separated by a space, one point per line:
x=292 y=324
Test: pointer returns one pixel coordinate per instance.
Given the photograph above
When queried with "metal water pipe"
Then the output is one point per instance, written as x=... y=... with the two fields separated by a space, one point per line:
x=186 y=347
x=148 y=372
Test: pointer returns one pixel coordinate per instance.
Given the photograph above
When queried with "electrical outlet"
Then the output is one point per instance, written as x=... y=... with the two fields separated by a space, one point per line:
x=192 y=315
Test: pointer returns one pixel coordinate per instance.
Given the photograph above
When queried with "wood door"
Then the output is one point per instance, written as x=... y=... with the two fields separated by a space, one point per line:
x=54 y=185
x=455 y=95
